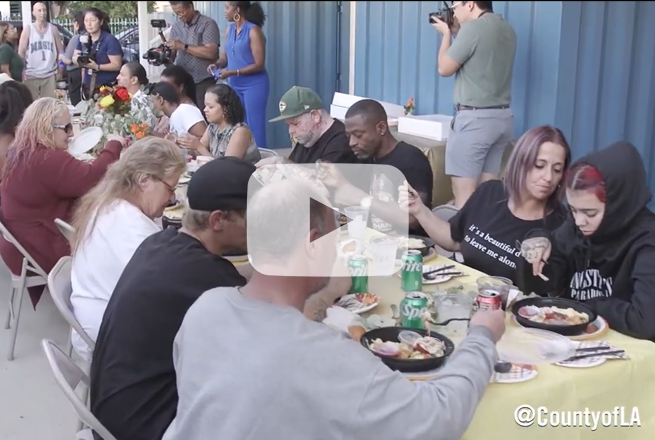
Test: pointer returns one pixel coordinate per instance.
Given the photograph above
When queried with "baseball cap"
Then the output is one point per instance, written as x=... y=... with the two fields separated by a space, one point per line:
x=220 y=184
x=296 y=101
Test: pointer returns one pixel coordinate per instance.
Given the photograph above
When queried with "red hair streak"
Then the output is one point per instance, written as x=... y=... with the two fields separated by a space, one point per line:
x=583 y=177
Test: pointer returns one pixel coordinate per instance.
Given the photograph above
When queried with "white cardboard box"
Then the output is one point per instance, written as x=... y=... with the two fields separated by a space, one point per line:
x=434 y=127
x=342 y=102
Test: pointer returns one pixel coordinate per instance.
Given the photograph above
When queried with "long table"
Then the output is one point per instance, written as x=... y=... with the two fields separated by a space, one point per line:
x=616 y=383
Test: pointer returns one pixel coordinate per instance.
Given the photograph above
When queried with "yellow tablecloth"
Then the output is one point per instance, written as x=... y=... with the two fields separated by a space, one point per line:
x=613 y=384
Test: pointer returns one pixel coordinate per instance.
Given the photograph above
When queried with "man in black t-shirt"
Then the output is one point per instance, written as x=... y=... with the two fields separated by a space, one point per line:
x=372 y=142
x=133 y=381
x=315 y=133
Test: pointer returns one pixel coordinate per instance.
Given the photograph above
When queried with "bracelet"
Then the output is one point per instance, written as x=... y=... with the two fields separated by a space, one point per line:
x=238 y=72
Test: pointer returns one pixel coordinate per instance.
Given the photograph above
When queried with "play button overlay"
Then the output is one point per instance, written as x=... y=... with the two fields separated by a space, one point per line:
x=301 y=218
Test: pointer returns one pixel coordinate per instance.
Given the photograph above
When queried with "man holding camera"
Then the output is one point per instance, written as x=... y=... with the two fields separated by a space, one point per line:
x=194 y=39
x=482 y=59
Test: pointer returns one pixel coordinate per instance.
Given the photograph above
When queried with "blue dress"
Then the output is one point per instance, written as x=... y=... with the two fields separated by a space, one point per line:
x=252 y=89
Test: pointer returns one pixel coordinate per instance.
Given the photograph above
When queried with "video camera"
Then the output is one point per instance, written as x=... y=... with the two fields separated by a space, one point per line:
x=88 y=53
x=445 y=14
x=161 y=54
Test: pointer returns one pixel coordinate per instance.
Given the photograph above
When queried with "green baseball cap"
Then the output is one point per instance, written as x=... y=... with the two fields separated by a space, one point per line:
x=296 y=101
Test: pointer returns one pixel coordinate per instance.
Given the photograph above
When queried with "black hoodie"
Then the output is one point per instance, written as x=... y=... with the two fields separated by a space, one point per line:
x=613 y=270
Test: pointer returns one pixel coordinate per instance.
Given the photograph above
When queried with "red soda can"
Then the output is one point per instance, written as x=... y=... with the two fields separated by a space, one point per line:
x=488 y=300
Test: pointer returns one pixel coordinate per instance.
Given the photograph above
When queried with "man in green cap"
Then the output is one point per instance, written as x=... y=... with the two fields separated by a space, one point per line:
x=314 y=133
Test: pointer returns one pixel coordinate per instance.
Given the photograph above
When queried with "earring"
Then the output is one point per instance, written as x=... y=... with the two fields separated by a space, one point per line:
x=237 y=17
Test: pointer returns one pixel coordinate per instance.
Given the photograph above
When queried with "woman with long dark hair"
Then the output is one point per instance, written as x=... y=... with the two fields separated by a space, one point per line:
x=226 y=134
x=105 y=57
x=243 y=63
x=10 y=62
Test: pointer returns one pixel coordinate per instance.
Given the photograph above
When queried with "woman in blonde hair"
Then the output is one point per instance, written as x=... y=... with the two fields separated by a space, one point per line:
x=41 y=181
x=113 y=219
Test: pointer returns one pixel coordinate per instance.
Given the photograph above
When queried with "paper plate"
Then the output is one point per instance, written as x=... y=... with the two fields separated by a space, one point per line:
x=86 y=140
x=533 y=346
x=518 y=373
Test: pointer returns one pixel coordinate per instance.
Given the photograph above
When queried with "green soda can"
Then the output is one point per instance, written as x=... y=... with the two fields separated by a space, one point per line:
x=412 y=310
x=412 y=274
x=358 y=265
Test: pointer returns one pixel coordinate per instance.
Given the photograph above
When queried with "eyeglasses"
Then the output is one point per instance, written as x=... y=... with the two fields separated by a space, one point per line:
x=68 y=128
x=168 y=187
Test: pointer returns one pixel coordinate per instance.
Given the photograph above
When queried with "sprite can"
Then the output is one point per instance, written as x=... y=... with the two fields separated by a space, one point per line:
x=412 y=274
x=412 y=310
x=358 y=265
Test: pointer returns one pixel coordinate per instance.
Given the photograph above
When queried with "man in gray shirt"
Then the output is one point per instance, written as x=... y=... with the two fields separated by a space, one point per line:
x=249 y=365
x=195 y=39
x=482 y=60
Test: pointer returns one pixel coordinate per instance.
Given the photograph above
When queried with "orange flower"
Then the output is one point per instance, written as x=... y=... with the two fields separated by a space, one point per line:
x=410 y=102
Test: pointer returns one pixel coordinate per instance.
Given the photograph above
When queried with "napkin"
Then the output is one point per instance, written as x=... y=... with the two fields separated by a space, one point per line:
x=516 y=295
x=341 y=319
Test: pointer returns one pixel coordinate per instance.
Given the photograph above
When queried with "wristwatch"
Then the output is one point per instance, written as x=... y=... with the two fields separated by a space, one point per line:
x=186 y=47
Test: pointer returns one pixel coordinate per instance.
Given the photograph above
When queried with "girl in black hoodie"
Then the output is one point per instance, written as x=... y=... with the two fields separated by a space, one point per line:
x=604 y=254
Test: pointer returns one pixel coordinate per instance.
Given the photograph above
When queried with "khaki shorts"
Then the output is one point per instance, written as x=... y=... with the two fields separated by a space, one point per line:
x=477 y=141
x=41 y=87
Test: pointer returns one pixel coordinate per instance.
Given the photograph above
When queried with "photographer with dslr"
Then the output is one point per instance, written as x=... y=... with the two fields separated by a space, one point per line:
x=195 y=40
x=98 y=52
x=482 y=59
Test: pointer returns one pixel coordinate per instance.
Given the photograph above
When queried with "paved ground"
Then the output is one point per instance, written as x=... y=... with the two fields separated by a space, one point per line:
x=32 y=407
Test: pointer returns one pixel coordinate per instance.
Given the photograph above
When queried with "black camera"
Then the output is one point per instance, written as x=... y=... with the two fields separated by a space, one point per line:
x=88 y=53
x=445 y=14
x=161 y=54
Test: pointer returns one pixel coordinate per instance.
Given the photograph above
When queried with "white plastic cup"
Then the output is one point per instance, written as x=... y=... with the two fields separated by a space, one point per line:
x=383 y=255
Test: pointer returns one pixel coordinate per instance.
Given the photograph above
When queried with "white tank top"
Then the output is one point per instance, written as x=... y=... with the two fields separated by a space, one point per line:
x=41 y=55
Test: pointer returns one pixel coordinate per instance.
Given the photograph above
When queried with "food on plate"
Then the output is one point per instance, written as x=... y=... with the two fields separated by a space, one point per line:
x=410 y=243
x=175 y=212
x=553 y=315
x=366 y=298
x=357 y=301
x=423 y=348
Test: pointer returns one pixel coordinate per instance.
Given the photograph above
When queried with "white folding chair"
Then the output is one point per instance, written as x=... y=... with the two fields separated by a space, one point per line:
x=445 y=212
x=59 y=285
x=65 y=229
x=31 y=275
x=265 y=152
x=68 y=376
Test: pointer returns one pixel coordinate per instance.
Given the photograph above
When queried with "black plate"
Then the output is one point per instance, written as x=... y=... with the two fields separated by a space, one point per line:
x=425 y=251
x=407 y=366
x=566 y=330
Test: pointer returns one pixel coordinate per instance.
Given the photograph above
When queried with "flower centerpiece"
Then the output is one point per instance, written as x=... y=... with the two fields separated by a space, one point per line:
x=409 y=107
x=115 y=112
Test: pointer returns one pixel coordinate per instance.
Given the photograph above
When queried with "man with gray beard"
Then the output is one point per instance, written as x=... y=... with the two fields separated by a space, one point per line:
x=314 y=133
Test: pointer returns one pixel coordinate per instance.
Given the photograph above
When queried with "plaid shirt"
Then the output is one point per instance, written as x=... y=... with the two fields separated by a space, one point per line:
x=202 y=30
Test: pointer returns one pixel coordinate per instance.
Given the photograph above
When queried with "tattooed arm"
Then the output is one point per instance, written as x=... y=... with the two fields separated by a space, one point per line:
x=315 y=307
x=317 y=304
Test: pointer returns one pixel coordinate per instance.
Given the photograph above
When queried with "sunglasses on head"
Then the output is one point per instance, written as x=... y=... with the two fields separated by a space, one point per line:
x=68 y=128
